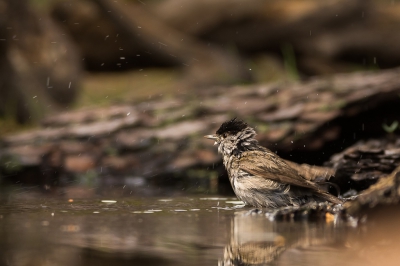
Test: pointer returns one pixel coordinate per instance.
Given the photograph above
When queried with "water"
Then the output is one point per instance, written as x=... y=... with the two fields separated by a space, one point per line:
x=185 y=231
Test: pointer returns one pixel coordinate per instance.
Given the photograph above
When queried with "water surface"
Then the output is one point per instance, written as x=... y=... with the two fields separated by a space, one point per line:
x=184 y=231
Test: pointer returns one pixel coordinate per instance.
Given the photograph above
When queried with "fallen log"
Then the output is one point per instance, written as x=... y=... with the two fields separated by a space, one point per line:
x=305 y=122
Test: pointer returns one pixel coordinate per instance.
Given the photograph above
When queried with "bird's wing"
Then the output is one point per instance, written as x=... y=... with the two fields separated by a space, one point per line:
x=267 y=165
x=312 y=172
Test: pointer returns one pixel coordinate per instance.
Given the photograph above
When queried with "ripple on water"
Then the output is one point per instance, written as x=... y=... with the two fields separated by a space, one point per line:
x=109 y=201
x=213 y=198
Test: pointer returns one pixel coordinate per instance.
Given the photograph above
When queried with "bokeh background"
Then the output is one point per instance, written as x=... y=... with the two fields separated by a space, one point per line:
x=73 y=54
x=97 y=87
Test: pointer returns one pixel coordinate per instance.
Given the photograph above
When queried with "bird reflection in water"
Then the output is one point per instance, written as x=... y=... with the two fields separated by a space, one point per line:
x=256 y=240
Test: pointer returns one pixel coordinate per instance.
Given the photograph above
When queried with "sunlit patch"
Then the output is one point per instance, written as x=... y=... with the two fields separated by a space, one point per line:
x=137 y=212
x=155 y=210
x=148 y=212
x=165 y=200
x=96 y=212
x=193 y=210
x=180 y=210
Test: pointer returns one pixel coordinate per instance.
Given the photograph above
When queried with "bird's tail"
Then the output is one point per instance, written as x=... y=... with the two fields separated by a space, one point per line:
x=329 y=197
x=325 y=184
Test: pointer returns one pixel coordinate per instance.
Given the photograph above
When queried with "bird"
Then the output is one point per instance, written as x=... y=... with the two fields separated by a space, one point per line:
x=258 y=176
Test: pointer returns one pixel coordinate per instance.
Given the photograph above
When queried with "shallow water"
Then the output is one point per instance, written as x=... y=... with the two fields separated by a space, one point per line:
x=184 y=231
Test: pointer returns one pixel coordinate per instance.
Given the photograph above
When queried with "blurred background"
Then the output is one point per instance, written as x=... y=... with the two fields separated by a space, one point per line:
x=97 y=87
x=74 y=54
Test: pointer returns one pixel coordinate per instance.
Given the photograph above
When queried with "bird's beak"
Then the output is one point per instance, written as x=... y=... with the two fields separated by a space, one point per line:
x=213 y=137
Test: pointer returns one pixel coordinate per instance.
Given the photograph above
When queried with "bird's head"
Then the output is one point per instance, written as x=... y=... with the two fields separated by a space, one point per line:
x=233 y=134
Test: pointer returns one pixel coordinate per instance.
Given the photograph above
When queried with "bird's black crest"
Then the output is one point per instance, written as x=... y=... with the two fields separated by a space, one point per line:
x=232 y=127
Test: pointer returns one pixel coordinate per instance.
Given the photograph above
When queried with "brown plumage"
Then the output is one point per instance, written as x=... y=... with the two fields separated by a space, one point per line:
x=258 y=176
